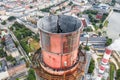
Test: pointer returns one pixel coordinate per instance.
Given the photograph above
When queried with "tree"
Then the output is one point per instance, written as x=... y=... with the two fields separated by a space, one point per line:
x=31 y=75
x=118 y=74
x=96 y=27
x=11 y=18
x=17 y=79
x=87 y=48
x=113 y=2
x=91 y=67
x=104 y=16
x=0 y=64
x=70 y=4
x=2 y=53
x=10 y=58
x=99 y=33
x=16 y=44
x=31 y=7
x=108 y=42
x=100 y=26
x=3 y=23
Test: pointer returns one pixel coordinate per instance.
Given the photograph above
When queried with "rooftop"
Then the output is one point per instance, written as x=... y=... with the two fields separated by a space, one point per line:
x=94 y=39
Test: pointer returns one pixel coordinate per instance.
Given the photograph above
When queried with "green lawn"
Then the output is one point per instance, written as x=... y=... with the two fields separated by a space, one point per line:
x=112 y=69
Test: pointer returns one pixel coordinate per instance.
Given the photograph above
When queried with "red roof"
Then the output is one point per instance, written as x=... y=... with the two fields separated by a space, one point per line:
x=102 y=68
x=108 y=51
x=104 y=60
x=99 y=16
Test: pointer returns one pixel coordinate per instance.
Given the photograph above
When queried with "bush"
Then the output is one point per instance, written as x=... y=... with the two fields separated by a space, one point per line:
x=3 y=23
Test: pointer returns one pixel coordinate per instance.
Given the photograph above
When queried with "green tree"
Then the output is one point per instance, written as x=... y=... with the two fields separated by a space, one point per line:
x=16 y=44
x=0 y=63
x=31 y=7
x=100 y=26
x=118 y=74
x=70 y=4
x=113 y=2
x=17 y=79
x=31 y=75
x=96 y=27
x=87 y=48
x=10 y=58
x=104 y=16
x=3 y=23
x=99 y=33
x=108 y=42
x=92 y=66
x=11 y=18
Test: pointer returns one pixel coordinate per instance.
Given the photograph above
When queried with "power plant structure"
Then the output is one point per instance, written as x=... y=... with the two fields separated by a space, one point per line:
x=104 y=63
x=60 y=57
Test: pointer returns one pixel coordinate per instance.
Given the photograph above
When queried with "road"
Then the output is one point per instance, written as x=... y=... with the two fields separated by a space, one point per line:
x=113 y=29
x=30 y=26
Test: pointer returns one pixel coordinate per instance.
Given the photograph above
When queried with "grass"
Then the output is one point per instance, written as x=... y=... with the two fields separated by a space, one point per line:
x=106 y=23
x=32 y=46
x=111 y=73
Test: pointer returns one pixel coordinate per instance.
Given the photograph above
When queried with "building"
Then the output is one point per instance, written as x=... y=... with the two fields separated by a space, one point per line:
x=60 y=57
x=98 y=43
x=3 y=70
x=102 y=8
x=7 y=69
x=17 y=69
x=10 y=46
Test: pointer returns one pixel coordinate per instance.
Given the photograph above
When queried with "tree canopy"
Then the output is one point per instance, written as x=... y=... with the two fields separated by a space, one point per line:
x=31 y=75
x=118 y=74
x=108 y=42
x=92 y=66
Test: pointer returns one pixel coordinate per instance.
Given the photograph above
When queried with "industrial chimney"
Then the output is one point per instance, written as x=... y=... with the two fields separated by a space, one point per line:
x=60 y=57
